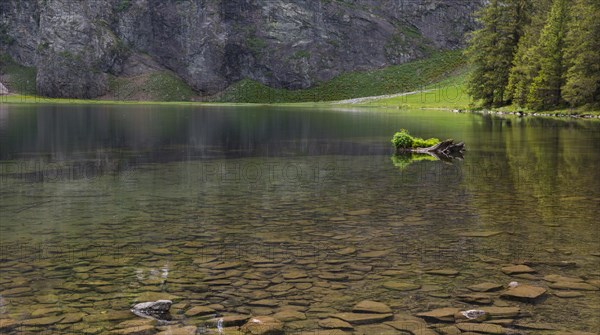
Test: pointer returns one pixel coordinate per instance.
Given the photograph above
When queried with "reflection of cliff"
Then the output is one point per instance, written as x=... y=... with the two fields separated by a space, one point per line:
x=181 y=133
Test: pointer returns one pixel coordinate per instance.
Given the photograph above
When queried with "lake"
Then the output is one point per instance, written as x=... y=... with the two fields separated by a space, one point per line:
x=296 y=213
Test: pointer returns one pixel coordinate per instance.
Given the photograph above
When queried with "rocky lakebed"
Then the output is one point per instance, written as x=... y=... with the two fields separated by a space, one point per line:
x=279 y=286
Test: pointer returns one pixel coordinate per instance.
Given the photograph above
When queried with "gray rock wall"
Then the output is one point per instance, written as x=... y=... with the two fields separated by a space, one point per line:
x=213 y=43
x=3 y=90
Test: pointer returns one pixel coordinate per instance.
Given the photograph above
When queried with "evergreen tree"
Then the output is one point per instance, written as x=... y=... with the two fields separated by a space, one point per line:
x=492 y=48
x=545 y=91
x=525 y=67
x=583 y=55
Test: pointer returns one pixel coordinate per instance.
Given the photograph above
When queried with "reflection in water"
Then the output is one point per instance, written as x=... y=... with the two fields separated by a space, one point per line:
x=402 y=161
x=253 y=211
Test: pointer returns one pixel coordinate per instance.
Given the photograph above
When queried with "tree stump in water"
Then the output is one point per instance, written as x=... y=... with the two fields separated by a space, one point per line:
x=445 y=150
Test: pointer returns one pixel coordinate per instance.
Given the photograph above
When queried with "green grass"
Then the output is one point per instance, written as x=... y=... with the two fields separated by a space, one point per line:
x=389 y=80
x=17 y=78
x=157 y=86
x=449 y=93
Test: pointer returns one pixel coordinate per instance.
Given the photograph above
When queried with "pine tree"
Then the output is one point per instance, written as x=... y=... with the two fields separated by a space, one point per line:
x=492 y=48
x=583 y=55
x=525 y=66
x=545 y=90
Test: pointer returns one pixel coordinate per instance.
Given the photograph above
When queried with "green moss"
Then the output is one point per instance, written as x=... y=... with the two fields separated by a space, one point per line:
x=17 y=78
x=157 y=86
x=166 y=86
x=5 y=38
x=123 y=5
x=256 y=44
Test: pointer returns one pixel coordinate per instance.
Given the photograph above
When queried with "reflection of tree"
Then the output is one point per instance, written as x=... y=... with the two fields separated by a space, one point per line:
x=537 y=179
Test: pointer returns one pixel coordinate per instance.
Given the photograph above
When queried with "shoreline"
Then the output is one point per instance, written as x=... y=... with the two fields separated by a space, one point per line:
x=14 y=99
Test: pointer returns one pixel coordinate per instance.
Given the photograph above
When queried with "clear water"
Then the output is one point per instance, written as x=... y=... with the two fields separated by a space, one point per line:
x=105 y=206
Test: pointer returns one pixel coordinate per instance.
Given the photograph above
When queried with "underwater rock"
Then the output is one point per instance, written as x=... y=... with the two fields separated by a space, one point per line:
x=517 y=269
x=362 y=318
x=440 y=314
x=485 y=287
x=524 y=292
x=332 y=323
x=473 y=314
x=263 y=325
x=368 y=306
x=154 y=309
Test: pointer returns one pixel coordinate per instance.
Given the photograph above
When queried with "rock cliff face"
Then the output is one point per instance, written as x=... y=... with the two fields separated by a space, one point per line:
x=77 y=44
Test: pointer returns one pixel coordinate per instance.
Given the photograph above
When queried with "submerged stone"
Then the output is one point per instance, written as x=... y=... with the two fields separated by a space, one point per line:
x=401 y=286
x=199 y=310
x=487 y=233
x=484 y=328
x=443 y=272
x=137 y=330
x=263 y=325
x=485 y=287
x=379 y=329
x=333 y=323
x=375 y=254
x=565 y=285
x=558 y=278
x=368 y=306
x=187 y=330
x=362 y=318
x=323 y=332
x=264 y=303
x=410 y=324
x=502 y=312
x=440 y=314
x=230 y=320
x=46 y=321
x=517 y=269
x=476 y=298
x=524 y=292
x=289 y=315
x=568 y=294
x=8 y=324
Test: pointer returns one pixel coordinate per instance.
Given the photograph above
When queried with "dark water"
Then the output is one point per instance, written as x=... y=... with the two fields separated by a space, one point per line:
x=102 y=207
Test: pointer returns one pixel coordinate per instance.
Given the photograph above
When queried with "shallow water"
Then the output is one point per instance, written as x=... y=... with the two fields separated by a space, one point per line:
x=105 y=206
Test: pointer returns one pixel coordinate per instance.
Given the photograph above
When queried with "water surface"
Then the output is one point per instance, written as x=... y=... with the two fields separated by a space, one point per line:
x=105 y=206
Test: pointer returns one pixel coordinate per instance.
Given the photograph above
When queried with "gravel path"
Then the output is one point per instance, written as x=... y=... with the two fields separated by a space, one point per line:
x=374 y=98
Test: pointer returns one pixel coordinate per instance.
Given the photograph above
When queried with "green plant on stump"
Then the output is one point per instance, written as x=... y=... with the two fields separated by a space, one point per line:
x=402 y=140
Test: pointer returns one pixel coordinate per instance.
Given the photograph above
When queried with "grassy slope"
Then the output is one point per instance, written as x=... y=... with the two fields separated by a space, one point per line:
x=155 y=86
x=393 y=79
x=449 y=93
